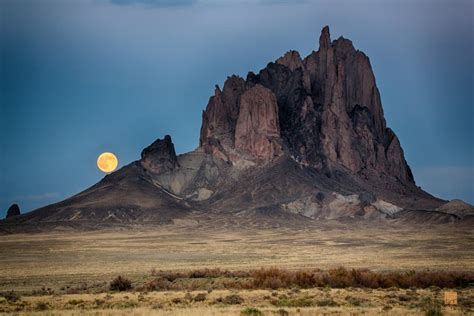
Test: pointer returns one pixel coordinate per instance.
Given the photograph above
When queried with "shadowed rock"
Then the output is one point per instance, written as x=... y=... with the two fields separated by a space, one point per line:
x=13 y=210
x=160 y=156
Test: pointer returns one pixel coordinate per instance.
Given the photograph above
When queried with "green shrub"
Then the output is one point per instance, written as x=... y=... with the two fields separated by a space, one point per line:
x=297 y=302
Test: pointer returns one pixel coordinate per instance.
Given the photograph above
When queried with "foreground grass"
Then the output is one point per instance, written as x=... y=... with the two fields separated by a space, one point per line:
x=266 y=291
x=352 y=301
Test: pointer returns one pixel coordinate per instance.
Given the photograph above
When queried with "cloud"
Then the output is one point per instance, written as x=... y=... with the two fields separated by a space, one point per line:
x=155 y=3
x=174 y=3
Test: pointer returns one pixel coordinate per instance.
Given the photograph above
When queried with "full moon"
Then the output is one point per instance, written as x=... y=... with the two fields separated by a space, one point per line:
x=107 y=162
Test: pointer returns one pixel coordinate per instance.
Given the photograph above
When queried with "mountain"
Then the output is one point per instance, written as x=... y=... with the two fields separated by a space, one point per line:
x=305 y=139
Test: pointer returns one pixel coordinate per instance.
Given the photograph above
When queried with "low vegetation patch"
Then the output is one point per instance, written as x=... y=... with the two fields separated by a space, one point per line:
x=327 y=302
x=251 y=311
x=11 y=296
x=356 y=301
x=431 y=307
x=232 y=299
x=120 y=284
x=294 y=302
x=42 y=306
x=201 y=297
x=282 y=312
x=274 y=278
x=75 y=302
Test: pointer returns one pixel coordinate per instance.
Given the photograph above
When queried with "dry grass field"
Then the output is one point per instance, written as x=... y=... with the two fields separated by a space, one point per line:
x=69 y=271
x=277 y=302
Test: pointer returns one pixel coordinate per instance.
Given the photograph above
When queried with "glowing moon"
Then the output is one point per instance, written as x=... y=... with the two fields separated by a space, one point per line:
x=107 y=162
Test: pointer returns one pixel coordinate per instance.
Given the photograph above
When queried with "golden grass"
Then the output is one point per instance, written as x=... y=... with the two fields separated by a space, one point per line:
x=371 y=302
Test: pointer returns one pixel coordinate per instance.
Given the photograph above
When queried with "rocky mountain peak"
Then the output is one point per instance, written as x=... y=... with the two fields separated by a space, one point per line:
x=328 y=114
x=160 y=156
x=291 y=59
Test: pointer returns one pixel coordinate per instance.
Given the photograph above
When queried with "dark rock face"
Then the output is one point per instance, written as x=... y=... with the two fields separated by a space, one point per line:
x=159 y=156
x=352 y=130
x=13 y=210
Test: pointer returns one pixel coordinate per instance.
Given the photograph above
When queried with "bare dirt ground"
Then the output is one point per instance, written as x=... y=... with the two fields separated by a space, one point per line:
x=66 y=259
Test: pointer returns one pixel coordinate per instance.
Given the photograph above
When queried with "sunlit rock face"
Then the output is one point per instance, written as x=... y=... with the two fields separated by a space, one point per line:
x=258 y=130
x=221 y=114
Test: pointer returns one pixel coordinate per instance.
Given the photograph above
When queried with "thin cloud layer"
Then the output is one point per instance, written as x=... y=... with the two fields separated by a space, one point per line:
x=155 y=3
x=174 y=3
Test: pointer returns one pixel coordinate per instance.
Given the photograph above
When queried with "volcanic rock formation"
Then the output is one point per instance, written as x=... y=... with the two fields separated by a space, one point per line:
x=160 y=156
x=302 y=139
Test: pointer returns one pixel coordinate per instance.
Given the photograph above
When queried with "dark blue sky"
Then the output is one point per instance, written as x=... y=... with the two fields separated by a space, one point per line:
x=80 y=78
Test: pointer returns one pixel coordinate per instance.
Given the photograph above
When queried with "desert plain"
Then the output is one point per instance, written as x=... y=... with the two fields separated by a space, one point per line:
x=68 y=271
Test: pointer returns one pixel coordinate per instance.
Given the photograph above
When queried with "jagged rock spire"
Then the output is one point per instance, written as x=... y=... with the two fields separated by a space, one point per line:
x=324 y=39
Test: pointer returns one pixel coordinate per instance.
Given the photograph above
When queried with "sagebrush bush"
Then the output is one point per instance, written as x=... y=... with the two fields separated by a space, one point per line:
x=159 y=284
x=275 y=278
x=431 y=307
x=201 y=297
x=120 y=284
x=232 y=299
x=42 y=306
x=11 y=296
